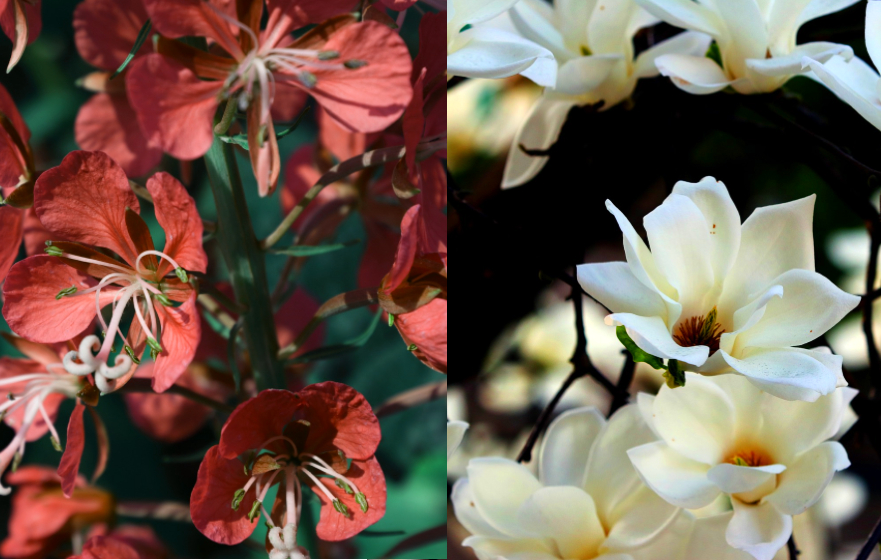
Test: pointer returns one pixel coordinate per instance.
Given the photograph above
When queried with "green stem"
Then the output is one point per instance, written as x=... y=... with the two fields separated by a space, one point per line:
x=244 y=260
x=334 y=306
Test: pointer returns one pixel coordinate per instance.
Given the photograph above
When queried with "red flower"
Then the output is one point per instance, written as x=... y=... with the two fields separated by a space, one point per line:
x=51 y=298
x=105 y=33
x=21 y=22
x=125 y=541
x=358 y=72
x=326 y=432
x=43 y=519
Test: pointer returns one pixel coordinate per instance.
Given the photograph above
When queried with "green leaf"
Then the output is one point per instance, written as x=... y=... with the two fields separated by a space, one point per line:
x=639 y=355
x=139 y=41
x=312 y=250
x=337 y=349
x=242 y=139
x=714 y=54
x=231 y=353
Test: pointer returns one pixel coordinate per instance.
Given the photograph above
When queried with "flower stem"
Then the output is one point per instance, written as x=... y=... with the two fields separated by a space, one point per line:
x=244 y=261
x=144 y=385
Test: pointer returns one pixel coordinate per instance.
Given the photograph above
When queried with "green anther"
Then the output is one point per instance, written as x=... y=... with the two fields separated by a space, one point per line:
x=163 y=299
x=674 y=376
x=261 y=135
x=362 y=501
x=131 y=354
x=411 y=348
x=308 y=79
x=328 y=55
x=154 y=345
x=153 y=354
x=340 y=507
x=585 y=51
x=48 y=243
x=354 y=63
x=182 y=274
x=56 y=444
x=391 y=320
x=342 y=484
x=2 y=415
x=255 y=510
x=740 y=462
x=237 y=498
x=54 y=251
x=16 y=461
x=66 y=292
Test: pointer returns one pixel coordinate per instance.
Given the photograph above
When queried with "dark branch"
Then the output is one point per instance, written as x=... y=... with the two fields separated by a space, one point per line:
x=621 y=398
x=793 y=550
x=871 y=543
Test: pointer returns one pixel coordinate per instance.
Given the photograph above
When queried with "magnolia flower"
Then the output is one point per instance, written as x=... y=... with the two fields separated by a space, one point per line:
x=724 y=435
x=721 y=297
x=455 y=433
x=854 y=81
x=487 y=52
x=756 y=41
x=587 y=501
x=592 y=43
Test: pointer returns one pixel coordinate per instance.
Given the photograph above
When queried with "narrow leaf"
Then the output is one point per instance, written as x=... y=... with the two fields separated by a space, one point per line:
x=639 y=355
x=139 y=41
x=337 y=349
x=312 y=250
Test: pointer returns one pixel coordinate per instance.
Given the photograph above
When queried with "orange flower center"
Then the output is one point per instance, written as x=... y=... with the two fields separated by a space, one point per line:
x=700 y=331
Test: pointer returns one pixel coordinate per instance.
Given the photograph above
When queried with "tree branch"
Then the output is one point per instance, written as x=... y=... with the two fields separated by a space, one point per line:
x=872 y=541
x=793 y=550
x=411 y=398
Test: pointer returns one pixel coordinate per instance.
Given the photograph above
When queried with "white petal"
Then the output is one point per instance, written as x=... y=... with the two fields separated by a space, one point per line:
x=788 y=15
x=567 y=445
x=509 y=549
x=567 y=515
x=855 y=82
x=499 y=487
x=749 y=315
x=646 y=403
x=679 y=237
x=677 y=479
x=689 y=43
x=455 y=433
x=721 y=216
x=610 y=478
x=804 y=482
x=873 y=24
x=651 y=334
x=614 y=285
x=571 y=17
x=707 y=540
x=759 y=530
x=467 y=514
x=528 y=18
x=607 y=27
x=486 y=52
x=585 y=73
x=810 y=306
x=784 y=374
x=467 y=12
x=733 y=479
x=684 y=13
x=697 y=420
x=694 y=74
x=538 y=132
x=774 y=239
x=791 y=64
x=747 y=36
x=646 y=517
x=543 y=72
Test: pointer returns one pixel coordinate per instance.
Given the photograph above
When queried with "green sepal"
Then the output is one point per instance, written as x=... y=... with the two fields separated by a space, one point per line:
x=362 y=501
x=639 y=355
x=674 y=376
x=714 y=54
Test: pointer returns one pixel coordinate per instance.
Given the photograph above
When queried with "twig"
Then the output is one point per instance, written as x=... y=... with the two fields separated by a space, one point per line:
x=624 y=382
x=417 y=540
x=411 y=398
x=581 y=366
x=793 y=550
x=872 y=541
x=173 y=511
x=143 y=385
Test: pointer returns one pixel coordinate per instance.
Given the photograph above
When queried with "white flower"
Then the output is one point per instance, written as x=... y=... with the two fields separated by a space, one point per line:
x=592 y=42
x=587 y=501
x=724 y=435
x=854 y=81
x=721 y=297
x=455 y=433
x=756 y=40
x=475 y=51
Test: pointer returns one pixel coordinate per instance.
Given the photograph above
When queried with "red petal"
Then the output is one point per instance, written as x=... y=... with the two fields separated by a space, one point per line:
x=31 y=308
x=427 y=329
x=340 y=418
x=398 y=4
x=69 y=466
x=180 y=18
x=142 y=538
x=10 y=367
x=256 y=420
x=8 y=108
x=288 y=15
x=432 y=42
x=342 y=143
x=367 y=476
x=175 y=108
x=177 y=214
x=407 y=249
x=35 y=234
x=287 y=103
x=413 y=124
x=293 y=316
x=181 y=330
x=84 y=199
x=372 y=97
x=433 y=198
x=211 y=500
x=265 y=160
x=107 y=123
x=11 y=220
x=105 y=31
x=25 y=36
x=379 y=254
x=107 y=547
x=12 y=163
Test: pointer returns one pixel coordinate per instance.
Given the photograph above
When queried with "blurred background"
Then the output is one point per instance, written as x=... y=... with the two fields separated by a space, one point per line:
x=516 y=240
x=141 y=469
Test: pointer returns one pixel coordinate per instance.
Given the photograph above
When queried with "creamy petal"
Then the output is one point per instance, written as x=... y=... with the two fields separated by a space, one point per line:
x=688 y=43
x=567 y=515
x=651 y=334
x=677 y=479
x=500 y=487
x=585 y=73
x=538 y=132
x=614 y=285
x=804 y=482
x=785 y=374
x=645 y=518
x=758 y=529
x=467 y=514
x=791 y=64
x=567 y=445
x=684 y=13
x=855 y=82
x=733 y=479
x=455 y=433
x=694 y=74
x=486 y=52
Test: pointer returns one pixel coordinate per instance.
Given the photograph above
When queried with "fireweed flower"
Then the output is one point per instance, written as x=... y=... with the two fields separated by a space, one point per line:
x=105 y=33
x=323 y=436
x=592 y=44
x=123 y=541
x=721 y=297
x=587 y=501
x=476 y=51
x=455 y=433
x=43 y=519
x=854 y=81
x=755 y=39
x=358 y=72
x=724 y=435
x=54 y=297
x=21 y=22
